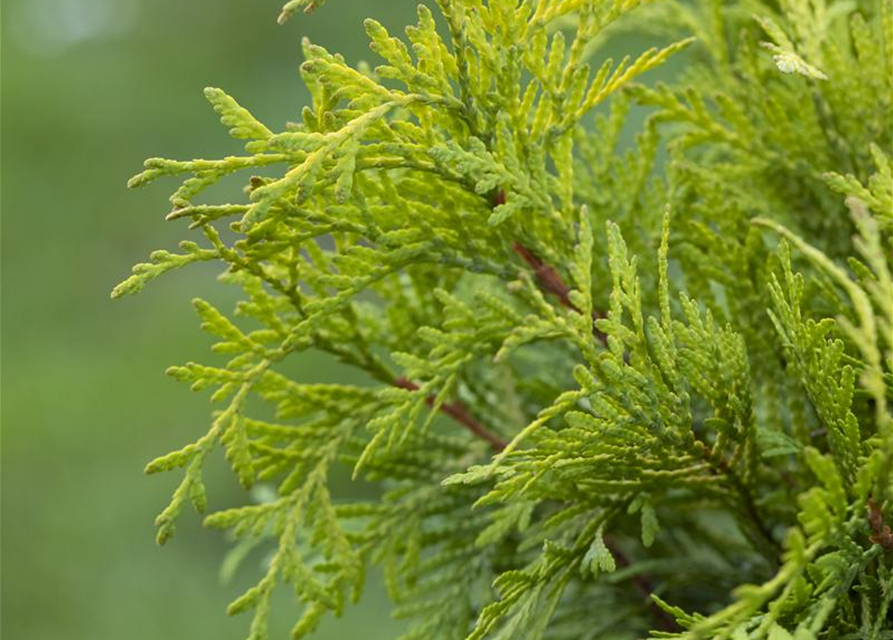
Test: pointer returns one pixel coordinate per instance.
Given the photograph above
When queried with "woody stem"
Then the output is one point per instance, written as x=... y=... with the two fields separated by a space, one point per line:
x=458 y=412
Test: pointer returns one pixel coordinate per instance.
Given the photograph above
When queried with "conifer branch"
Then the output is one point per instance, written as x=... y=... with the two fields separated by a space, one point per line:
x=379 y=233
x=458 y=412
x=551 y=282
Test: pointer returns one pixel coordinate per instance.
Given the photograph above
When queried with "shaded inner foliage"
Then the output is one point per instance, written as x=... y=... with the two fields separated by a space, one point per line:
x=618 y=391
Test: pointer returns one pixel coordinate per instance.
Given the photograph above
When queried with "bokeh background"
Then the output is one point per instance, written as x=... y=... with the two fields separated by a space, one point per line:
x=89 y=89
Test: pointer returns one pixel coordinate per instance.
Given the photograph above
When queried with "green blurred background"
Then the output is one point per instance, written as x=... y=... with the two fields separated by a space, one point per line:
x=89 y=89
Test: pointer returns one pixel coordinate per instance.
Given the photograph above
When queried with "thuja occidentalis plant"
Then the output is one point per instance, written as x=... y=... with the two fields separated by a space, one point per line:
x=616 y=389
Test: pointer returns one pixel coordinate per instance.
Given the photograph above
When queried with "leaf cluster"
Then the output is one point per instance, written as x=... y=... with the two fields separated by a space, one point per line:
x=615 y=388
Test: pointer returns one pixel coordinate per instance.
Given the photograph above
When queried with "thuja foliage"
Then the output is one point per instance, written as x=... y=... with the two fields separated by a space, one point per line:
x=617 y=389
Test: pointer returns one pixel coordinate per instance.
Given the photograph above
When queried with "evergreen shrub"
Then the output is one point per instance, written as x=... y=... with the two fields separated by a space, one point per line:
x=616 y=389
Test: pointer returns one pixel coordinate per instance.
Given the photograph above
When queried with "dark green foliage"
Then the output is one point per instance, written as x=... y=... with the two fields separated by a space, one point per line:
x=617 y=390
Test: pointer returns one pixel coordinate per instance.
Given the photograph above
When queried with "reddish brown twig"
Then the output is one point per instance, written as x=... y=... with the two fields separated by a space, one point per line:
x=547 y=276
x=551 y=282
x=882 y=534
x=644 y=586
x=458 y=412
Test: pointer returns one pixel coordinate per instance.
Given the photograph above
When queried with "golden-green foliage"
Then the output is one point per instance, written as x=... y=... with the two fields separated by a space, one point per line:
x=618 y=389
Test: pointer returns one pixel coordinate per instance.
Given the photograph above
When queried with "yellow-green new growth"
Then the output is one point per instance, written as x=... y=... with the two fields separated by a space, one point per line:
x=585 y=417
